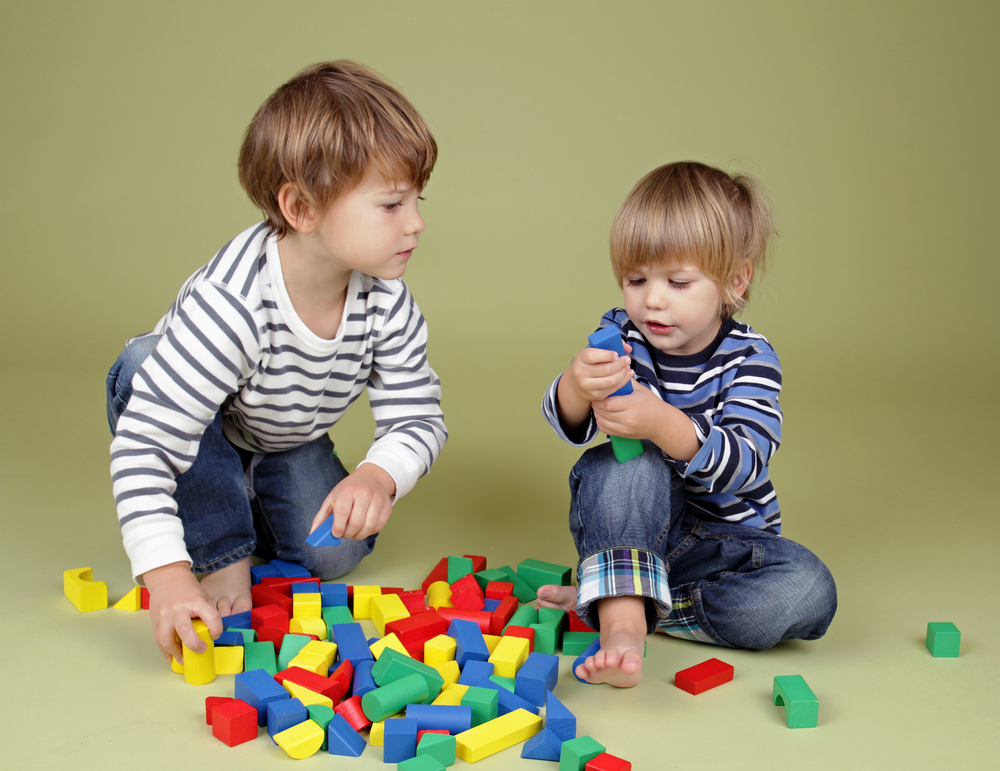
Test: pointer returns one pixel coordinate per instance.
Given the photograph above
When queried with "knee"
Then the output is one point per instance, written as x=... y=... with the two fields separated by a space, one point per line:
x=643 y=480
x=331 y=562
x=119 y=383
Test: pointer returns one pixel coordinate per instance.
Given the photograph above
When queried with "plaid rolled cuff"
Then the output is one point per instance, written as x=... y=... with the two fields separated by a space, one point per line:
x=623 y=573
x=682 y=622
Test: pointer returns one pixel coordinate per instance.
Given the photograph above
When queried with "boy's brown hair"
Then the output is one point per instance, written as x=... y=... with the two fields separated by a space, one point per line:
x=322 y=130
x=698 y=214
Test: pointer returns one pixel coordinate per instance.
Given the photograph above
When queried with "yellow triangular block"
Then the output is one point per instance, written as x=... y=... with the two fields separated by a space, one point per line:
x=131 y=601
x=306 y=695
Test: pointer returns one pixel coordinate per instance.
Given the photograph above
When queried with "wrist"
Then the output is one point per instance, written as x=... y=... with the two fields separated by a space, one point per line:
x=167 y=574
x=379 y=476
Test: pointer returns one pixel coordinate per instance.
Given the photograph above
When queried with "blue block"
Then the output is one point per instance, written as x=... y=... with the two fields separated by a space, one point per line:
x=230 y=638
x=452 y=718
x=258 y=689
x=474 y=672
x=544 y=745
x=490 y=605
x=342 y=739
x=285 y=714
x=470 y=645
x=351 y=643
x=291 y=569
x=305 y=587
x=258 y=572
x=536 y=677
x=559 y=719
x=400 y=740
x=590 y=650
x=334 y=595
x=363 y=681
x=241 y=620
x=609 y=338
x=322 y=536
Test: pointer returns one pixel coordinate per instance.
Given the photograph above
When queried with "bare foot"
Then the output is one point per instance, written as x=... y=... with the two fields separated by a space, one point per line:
x=559 y=597
x=623 y=638
x=229 y=589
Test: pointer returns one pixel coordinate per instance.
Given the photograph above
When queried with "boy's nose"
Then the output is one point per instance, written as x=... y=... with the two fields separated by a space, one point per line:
x=656 y=298
x=415 y=225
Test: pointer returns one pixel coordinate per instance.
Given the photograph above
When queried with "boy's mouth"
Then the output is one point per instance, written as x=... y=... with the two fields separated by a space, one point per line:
x=659 y=329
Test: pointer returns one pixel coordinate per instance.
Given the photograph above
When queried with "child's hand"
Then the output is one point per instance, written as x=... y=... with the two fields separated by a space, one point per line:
x=361 y=503
x=635 y=416
x=176 y=597
x=597 y=373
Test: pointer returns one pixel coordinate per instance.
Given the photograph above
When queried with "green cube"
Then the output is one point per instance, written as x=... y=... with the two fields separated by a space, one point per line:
x=547 y=637
x=458 y=567
x=943 y=639
x=438 y=746
x=575 y=643
x=336 y=614
x=260 y=655
x=576 y=753
x=484 y=703
x=537 y=573
x=483 y=577
x=421 y=763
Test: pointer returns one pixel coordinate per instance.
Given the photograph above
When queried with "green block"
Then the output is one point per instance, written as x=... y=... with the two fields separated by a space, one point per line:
x=484 y=703
x=537 y=573
x=552 y=614
x=547 y=637
x=321 y=715
x=458 y=567
x=260 y=655
x=625 y=449
x=393 y=665
x=249 y=635
x=800 y=703
x=439 y=746
x=576 y=753
x=575 y=643
x=483 y=577
x=389 y=699
x=291 y=644
x=421 y=763
x=943 y=639
x=336 y=614
x=522 y=590
x=525 y=616
x=503 y=682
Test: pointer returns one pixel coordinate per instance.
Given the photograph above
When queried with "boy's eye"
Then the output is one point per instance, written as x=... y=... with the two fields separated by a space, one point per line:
x=636 y=281
x=392 y=206
x=680 y=284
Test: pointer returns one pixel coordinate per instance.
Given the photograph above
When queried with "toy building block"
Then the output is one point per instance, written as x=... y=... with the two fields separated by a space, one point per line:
x=234 y=722
x=453 y=693
x=577 y=624
x=265 y=596
x=504 y=682
x=421 y=732
x=307 y=605
x=145 y=598
x=454 y=718
x=492 y=641
x=537 y=573
x=337 y=614
x=943 y=639
x=800 y=703
x=291 y=646
x=509 y=655
x=522 y=590
x=285 y=584
x=507 y=701
x=199 y=668
x=703 y=676
x=334 y=595
x=559 y=718
x=536 y=677
x=260 y=655
x=331 y=690
x=475 y=671
x=238 y=621
x=393 y=665
x=481 y=617
x=458 y=567
x=439 y=595
x=469 y=598
x=258 y=689
x=343 y=739
x=83 y=591
x=230 y=637
x=496 y=735
x=323 y=535
x=385 y=609
x=439 y=573
x=131 y=601
x=449 y=672
x=399 y=740
x=257 y=572
x=211 y=702
x=440 y=648
x=439 y=746
x=269 y=615
x=497 y=590
x=284 y=713
x=483 y=702
x=606 y=762
x=176 y=666
x=321 y=715
x=609 y=339
x=575 y=643
x=228 y=659
x=301 y=740
x=469 y=642
x=548 y=632
x=590 y=650
x=414 y=600
x=363 y=682
x=313 y=626
x=500 y=617
x=290 y=569
x=478 y=562
x=393 y=697
x=343 y=674
x=526 y=632
x=316 y=656
x=523 y=616
x=420 y=763
x=353 y=712
x=302 y=586
x=576 y=753
x=544 y=745
x=351 y=642
x=363 y=600
x=389 y=642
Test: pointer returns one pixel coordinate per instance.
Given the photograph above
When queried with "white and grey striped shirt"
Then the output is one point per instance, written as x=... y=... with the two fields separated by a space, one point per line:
x=233 y=342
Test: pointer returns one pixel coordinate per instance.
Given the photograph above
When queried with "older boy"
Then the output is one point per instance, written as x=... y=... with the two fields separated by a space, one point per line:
x=221 y=413
x=684 y=538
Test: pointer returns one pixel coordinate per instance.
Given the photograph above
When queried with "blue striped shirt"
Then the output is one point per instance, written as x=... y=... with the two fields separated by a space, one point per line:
x=730 y=392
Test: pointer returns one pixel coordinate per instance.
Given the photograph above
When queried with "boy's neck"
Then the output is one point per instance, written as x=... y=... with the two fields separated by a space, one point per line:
x=316 y=286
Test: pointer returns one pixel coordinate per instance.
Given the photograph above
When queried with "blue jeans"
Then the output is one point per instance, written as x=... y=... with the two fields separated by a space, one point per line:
x=709 y=581
x=235 y=502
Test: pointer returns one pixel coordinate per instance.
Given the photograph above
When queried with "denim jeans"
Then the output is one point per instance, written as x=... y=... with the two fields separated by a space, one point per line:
x=710 y=581
x=235 y=503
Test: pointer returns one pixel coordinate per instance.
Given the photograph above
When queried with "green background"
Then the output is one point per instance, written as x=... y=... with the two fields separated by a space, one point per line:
x=874 y=126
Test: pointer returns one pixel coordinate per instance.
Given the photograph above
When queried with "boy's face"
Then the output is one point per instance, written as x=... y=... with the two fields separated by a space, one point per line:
x=372 y=228
x=675 y=306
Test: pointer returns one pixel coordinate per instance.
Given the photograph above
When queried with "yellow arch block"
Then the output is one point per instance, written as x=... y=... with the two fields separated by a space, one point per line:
x=228 y=659
x=308 y=625
x=300 y=741
x=83 y=591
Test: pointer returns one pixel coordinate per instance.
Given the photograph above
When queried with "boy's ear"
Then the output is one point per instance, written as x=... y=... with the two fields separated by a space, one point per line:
x=742 y=279
x=295 y=209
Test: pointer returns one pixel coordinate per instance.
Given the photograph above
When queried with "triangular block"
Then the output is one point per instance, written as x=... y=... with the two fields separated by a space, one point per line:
x=544 y=745
x=342 y=739
x=559 y=719
x=131 y=601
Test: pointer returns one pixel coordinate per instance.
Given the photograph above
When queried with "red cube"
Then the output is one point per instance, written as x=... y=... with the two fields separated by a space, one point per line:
x=211 y=702
x=234 y=722
x=497 y=590
x=606 y=762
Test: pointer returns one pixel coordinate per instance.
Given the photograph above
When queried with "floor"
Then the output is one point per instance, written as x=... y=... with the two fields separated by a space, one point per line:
x=891 y=509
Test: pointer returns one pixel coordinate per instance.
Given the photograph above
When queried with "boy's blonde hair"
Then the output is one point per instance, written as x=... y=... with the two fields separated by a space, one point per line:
x=693 y=213
x=322 y=130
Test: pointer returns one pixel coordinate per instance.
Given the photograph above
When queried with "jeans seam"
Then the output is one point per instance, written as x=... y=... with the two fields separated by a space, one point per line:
x=228 y=558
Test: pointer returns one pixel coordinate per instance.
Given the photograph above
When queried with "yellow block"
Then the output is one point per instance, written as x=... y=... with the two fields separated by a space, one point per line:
x=327 y=650
x=305 y=695
x=495 y=735
x=311 y=661
x=492 y=641
x=440 y=649
x=308 y=625
x=449 y=671
x=228 y=659
x=389 y=641
x=451 y=694
x=300 y=741
x=509 y=655
x=176 y=666
x=385 y=609
x=439 y=595
x=131 y=601
x=307 y=604
x=363 y=600
x=83 y=591
x=199 y=668
x=376 y=737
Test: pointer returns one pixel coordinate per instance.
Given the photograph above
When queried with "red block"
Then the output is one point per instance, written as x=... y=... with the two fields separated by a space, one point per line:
x=269 y=615
x=606 y=762
x=480 y=617
x=576 y=624
x=522 y=631
x=392 y=590
x=211 y=702
x=500 y=616
x=352 y=712
x=284 y=585
x=439 y=573
x=468 y=598
x=703 y=676
x=234 y=722
x=344 y=674
x=413 y=601
x=414 y=631
x=478 y=563
x=497 y=590
x=144 y=594
x=464 y=582
x=264 y=595
x=327 y=686
x=272 y=633
x=420 y=734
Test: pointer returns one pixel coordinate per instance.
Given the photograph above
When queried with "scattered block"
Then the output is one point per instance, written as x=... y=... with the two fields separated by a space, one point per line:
x=386 y=608
x=334 y=595
x=323 y=535
x=83 y=591
x=199 y=668
x=606 y=762
x=260 y=655
x=131 y=601
x=420 y=763
x=484 y=703
x=800 y=703
x=290 y=569
x=575 y=643
x=451 y=694
x=943 y=639
x=399 y=740
x=452 y=718
x=363 y=682
x=389 y=699
x=301 y=740
x=353 y=713
x=537 y=677
x=469 y=642
x=234 y=722
x=351 y=642
x=228 y=659
x=363 y=600
x=544 y=745
x=321 y=715
x=438 y=575
x=537 y=573
x=576 y=753
x=439 y=595
x=522 y=590
x=343 y=739
x=258 y=689
x=496 y=735
x=442 y=747
x=509 y=655
x=704 y=676
x=284 y=714
x=559 y=718
x=458 y=567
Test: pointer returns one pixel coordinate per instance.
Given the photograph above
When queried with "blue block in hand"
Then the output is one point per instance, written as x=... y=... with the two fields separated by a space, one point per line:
x=609 y=338
x=322 y=536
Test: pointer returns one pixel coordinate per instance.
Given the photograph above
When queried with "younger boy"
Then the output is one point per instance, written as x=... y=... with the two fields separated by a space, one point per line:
x=220 y=414
x=683 y=539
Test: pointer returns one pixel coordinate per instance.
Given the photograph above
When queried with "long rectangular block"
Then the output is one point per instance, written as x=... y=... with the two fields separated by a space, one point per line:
x=496 y=735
